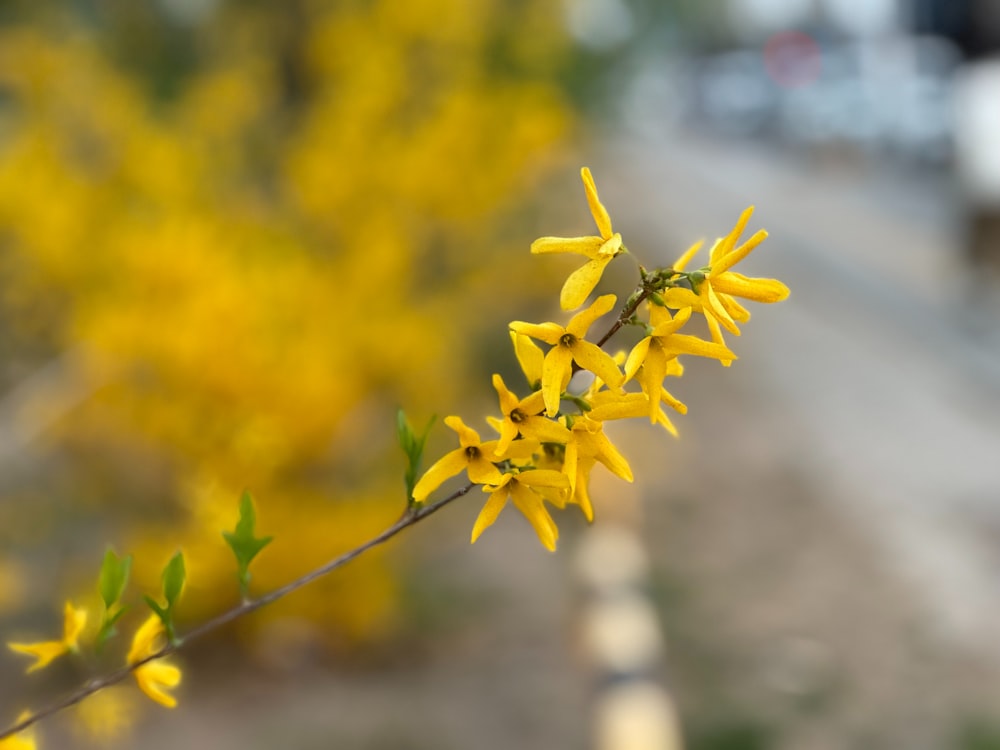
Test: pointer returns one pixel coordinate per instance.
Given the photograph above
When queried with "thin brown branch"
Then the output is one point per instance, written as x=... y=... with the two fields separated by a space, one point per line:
x=412 y=516
x=625 y=315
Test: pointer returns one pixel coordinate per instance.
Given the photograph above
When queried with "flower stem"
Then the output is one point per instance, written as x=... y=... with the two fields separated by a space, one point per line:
x=411 y=516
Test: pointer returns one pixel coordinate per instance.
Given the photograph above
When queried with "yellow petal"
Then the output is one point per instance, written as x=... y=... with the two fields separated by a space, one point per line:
x=508 y=431
x=580 y=323
x=530 y=356
x=146 y=639
x=74 y=621
x=665 y=326
x=466 y=435
x=543 y=478
x=557 y=368
x=615 y=461
x=544 y=430
x=45 y=653
x=757 y=290
x=154 y=677
x=581 y=283
x=636 y=357
x=713 y=307
x=655 y=370
x=490 y=512
x=521 y=450
x=581 y=495
x=23 y=740
x=482 y=471
x=713 y=327
x=731 y=259
x=622 y=406
x=679 y=298
x=668 y=398
x=449 y=465
x=589 y=246
x=681 y=343
x=612 y=246
x=547 y=332
x=681 y=263
x=727 y=243
x=597 y=210
x=508 y=401
x=591 y=357
x=736 y=311
x=532 y=507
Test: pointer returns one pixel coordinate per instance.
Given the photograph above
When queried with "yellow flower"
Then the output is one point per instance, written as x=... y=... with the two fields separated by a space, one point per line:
x=662 y=345
x=23 y=740
x=569 y=346
x=607 y=406
x=600 y=250
x=715 y=293
x=530 y=357
x=153 y=676
x=589 y=440
x=523 y=416
x=521 y=489
x=472 y=456
x=74 y=621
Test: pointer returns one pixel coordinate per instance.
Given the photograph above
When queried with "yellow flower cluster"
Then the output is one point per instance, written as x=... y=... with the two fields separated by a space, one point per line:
x=223 y=266
x=152 y=677
x=551 y=439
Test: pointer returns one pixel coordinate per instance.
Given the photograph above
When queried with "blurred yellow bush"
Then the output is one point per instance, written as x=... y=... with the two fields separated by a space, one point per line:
x=253 y=273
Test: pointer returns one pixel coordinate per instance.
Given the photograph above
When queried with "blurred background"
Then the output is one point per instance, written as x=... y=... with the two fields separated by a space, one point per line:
x=236 y=236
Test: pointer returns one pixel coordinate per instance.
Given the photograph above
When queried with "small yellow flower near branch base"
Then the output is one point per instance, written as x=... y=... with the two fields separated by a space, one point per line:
x=600 y=250
x=152 y=677
x=24 y=740
x=569 y=346
x=521 y=490
x=74 y=620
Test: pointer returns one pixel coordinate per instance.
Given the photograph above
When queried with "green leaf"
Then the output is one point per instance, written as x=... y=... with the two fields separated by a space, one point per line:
x=413 y=447
x=404 y=432
x=174 y=576
x=162 y=612
x=243 y=543
x=112 y=619
x=108 y=629
x=166 y=617
x=113 y=577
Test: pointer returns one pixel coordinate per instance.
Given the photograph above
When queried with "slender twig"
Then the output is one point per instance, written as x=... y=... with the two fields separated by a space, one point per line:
x=413 y=514
x=625 y=315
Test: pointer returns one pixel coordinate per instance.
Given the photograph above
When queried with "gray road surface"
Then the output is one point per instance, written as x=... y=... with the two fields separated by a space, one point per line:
x=897 y=404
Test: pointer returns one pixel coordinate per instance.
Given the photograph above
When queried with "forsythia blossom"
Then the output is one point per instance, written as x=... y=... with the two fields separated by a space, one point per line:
x=599 y=250
x=524 y=490
x=715 y=288
x=153 y=676
x=74 y=621
x=550 y=440
x=569 y=347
